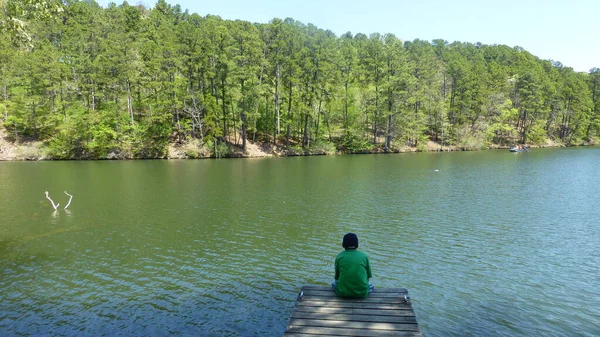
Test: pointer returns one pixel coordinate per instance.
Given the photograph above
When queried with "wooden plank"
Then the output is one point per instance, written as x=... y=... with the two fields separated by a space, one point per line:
x=319 y=312
x=355 y=317
x=376 y=290
x=354 y=311
x=306 y=335
x=326 y=323
x=349 y=332
x=395 y=300
x=363 y=305
x=397 y=334
x=331 y=293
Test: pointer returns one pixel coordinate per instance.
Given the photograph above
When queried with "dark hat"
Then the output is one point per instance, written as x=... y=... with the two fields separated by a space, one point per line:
x=350 y=241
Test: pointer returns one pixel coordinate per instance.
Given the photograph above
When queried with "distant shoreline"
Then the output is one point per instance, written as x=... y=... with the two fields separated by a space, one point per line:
x=34 y=151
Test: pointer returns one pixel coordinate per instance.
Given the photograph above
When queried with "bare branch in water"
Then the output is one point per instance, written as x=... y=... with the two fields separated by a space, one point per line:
x=53 y=204
x=70 y=198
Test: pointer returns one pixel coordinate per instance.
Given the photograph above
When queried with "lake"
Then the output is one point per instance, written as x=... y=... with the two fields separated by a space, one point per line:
x=488 y=243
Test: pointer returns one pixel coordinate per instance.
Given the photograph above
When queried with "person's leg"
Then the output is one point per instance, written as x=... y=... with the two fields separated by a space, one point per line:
x=333 y=284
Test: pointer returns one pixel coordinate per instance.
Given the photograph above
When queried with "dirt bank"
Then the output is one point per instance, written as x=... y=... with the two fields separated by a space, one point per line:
x=12 y=150
x=19 y=150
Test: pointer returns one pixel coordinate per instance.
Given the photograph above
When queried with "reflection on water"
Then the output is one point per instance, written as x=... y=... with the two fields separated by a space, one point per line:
x=488 y=243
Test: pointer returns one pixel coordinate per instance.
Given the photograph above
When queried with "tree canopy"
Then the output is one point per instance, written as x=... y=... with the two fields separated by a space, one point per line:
x=127 y=81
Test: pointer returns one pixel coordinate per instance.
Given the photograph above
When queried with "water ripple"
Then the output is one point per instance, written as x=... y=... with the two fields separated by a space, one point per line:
x=486 y=246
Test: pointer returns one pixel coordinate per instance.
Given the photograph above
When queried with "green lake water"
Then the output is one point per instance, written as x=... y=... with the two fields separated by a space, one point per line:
x=488 y=243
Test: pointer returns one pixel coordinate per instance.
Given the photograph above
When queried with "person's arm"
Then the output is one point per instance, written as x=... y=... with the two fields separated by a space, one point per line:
x=337 y=269
x=369 y=274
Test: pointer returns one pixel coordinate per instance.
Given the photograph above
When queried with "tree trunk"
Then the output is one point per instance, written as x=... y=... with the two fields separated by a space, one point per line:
x=234 y=121
x=415 y=138
x=243 y=118
x=375 y=115
x=267 y=115
x=276 y=114
x=388 y=139
x=6 y=98
x=318 y=118
x=129 y=101
x=524 y=128
x=589 y=127
x=289 y=114
x=305 y=131
x=94 y=98
x=346 y=122
x=223 y=108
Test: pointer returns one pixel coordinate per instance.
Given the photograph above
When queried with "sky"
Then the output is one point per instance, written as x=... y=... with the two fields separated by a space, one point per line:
x=561 y=30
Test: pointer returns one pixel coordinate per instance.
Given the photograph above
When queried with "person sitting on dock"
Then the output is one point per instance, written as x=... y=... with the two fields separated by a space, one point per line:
x=352 y=270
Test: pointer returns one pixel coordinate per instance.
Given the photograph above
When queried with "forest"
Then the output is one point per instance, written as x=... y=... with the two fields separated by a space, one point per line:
x=129 y=81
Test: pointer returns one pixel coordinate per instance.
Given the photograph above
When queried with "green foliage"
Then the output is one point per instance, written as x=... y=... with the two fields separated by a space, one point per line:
x=537 y=134
x=125 y=81
x=61 y=146
x=471 y=143
x=223 y=150
x=103 y=141
x=151 y=138
x=354 y=144
x=422 y=143
x=500 y=133
x=295 y=150
x=421 y=147
x=15 y=14
x=15 y=125
x=467 y=139
x=195 y=149
x=323 y=147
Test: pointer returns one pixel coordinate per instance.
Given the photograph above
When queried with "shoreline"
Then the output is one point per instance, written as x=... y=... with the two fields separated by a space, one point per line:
x=34 y=151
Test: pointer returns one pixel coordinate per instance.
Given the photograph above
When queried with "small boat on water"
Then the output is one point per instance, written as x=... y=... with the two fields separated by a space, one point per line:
x=519 y=149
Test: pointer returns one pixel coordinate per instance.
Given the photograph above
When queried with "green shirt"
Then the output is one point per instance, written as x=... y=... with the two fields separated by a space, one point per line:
x=352 y=271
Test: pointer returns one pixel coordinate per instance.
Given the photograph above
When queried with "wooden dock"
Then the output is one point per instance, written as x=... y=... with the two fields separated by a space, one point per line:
x=386 y=312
